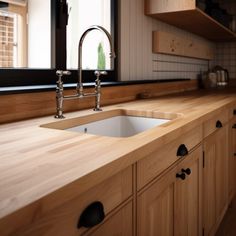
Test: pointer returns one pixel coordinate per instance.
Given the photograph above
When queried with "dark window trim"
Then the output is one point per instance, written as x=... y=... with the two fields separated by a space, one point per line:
x=37 y=77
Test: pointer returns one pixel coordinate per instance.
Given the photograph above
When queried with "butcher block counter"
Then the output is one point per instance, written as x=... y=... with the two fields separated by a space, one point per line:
x=42 y=168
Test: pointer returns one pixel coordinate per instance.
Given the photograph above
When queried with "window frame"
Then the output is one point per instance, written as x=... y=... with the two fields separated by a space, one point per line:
x=38 y=77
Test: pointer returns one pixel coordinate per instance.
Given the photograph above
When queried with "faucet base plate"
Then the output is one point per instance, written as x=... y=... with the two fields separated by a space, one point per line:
x=97 y=109
x=59 y=117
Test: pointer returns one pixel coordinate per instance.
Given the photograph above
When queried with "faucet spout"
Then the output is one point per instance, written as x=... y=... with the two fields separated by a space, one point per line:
x=60 y=97
x=80 y=49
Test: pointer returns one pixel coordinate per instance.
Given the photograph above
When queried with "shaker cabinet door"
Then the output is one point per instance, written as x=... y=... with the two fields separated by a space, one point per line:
x=172 y=205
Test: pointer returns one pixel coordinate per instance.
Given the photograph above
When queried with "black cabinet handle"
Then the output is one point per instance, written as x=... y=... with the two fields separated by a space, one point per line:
x=187 y=171
x=92 y=215
x=234 y=112
x=182 y=150
x=181 y=176
x=234 y=126
x=218 y=124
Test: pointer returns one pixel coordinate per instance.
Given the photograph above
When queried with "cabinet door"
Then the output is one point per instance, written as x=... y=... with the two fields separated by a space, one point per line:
x=188 y=197
x=171 y=206
x=232 y=158
x=156 y=208
x=209 y=188
x=221 y=172
x=215 y=180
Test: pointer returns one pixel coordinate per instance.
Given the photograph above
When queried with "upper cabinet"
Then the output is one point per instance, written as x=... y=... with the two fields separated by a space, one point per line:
x=186 y=15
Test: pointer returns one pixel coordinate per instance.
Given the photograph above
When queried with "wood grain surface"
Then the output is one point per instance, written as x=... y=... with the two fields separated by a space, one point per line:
x=41 y=167
x=29 y=105
x=172 y=44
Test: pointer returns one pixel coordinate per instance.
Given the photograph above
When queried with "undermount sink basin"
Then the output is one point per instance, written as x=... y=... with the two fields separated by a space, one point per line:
x=114 y=123
x=119 y=126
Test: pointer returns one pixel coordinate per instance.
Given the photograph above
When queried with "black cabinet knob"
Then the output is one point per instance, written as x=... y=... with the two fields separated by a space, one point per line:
x=92 y=215
x=234 y=112
x=187 y=171
x=219 y=124
x=182 y=150
x=181 y=176
x=234 y=126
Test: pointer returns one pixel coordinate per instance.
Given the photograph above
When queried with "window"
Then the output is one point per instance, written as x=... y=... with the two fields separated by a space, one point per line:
x=95 y=46
x=38 y=37
x=13 y=36
x=26 y=31
x=8 y=55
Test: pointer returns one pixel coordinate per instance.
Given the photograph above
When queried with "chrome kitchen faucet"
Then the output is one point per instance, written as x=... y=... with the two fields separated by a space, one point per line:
x=79 y=88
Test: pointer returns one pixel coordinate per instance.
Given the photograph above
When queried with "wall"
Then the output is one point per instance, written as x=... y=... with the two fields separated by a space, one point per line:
x=137 y=62
x=30 y=105
x=226 y=52
x=226 y=57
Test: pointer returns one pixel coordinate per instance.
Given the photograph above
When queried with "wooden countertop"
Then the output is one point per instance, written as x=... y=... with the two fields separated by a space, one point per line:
x=42 y=168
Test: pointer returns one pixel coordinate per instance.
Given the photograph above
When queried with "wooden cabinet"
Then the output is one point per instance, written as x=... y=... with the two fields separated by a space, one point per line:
x=120 y=224
x=154 y=164
x=156 y=207
x=181 y=189
x=215 y=179
x=112 y=206
x=232 y=158
x=172 y=204
x=184 y=14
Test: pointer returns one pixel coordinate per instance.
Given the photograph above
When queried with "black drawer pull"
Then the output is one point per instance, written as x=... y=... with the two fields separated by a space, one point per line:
x=182 y=150
x=234 y=112
x=234 y=126
x=187 y=171
x=181 y=176
x=218 y=124
x=92 y=215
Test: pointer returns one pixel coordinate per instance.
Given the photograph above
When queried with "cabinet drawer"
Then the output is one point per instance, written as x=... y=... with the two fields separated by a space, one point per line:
x=122 y=219
x=214 y=123
x=152 y=165
x=63 y=221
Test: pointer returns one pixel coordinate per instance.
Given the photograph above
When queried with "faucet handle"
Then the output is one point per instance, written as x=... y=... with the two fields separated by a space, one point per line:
x=62 y=72
x=98 y=73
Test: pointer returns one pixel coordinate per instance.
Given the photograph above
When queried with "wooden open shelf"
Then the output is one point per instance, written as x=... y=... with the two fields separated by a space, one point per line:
x=197 y=22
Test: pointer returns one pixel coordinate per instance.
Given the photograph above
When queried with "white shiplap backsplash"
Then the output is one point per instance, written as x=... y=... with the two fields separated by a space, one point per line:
x=136 y=60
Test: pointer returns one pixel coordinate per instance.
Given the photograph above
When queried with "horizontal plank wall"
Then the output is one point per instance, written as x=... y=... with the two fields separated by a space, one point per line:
x=29 y=105
x=136 y=58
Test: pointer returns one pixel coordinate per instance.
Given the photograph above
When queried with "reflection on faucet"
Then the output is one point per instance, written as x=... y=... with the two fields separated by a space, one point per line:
x=79 y=88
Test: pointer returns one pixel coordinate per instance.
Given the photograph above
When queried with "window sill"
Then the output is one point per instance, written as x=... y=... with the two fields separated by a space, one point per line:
x=44 y=88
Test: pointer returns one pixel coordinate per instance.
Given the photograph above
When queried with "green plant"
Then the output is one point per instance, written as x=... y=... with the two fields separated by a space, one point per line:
x=101 y=58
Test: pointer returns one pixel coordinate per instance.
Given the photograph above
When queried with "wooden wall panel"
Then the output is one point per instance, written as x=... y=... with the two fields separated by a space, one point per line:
x=29 y=105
